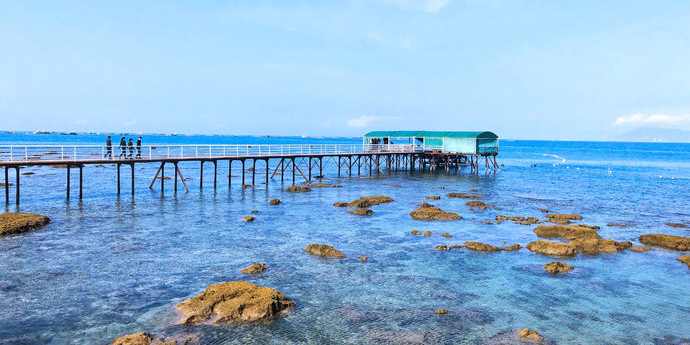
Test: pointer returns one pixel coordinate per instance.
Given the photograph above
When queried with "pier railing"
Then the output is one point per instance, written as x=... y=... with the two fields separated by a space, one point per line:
x=14 y=153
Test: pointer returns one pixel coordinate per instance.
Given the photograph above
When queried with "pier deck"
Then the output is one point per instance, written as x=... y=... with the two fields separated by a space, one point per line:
x=296 y=159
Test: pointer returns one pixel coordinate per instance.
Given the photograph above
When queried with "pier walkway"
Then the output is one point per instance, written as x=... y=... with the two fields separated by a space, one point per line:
x=297 y=160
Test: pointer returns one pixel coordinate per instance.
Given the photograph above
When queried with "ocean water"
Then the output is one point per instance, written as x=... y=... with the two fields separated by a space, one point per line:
x=112 y=265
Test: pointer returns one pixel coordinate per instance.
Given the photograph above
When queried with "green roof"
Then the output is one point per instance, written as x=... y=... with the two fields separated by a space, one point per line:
x=431 y=134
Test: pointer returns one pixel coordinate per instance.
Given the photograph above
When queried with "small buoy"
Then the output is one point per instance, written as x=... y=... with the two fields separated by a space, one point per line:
x=567 y=167
x=673 y=178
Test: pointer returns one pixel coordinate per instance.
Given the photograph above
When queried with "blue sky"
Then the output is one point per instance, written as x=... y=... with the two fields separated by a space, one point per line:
x=523 y=69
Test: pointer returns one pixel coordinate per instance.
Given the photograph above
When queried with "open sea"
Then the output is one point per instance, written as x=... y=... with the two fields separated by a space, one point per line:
x=111 y=265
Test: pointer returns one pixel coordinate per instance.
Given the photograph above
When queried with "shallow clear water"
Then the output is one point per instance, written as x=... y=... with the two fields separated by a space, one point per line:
x=110 y=265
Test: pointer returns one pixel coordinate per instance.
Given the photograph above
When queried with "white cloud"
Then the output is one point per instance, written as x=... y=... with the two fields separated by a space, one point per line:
x=430 y=6
x=361 y=121
x=654 y=119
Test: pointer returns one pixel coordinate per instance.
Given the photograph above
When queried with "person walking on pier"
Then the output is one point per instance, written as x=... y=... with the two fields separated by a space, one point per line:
x=108 y=148
x=131 y=148
x=123 y=148
x=139 y=148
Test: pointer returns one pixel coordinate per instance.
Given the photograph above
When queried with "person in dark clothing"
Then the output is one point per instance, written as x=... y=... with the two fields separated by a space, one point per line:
x=139 y=148
x=131 y=148
x=123 y=147
x=108 y=148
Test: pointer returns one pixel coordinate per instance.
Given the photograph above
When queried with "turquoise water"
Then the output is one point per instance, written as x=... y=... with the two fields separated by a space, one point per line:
x=110 y=265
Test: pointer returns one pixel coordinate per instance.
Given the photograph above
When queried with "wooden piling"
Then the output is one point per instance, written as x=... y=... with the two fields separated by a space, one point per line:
x=17 y=186
x=7 y=186
x=69 y=168
x=215 y=174
x=253 y=171
x=81 y=180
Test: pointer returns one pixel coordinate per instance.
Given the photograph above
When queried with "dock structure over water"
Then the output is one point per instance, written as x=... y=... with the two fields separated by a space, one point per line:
x=377 y=155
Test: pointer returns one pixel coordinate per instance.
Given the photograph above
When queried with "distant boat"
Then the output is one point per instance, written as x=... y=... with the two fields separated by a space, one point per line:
x=41 y=132
x=69 y=133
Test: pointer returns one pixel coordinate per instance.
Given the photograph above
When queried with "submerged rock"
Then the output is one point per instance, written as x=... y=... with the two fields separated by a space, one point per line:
x=513 y=247
x=324 y=250
x=323 y=185
x=248 y=219
x=361 y=212
x=340 y=204
x=363 y=258
x=441 y=311
x=233 y=301
x=427 y=233
x=640 y=249
x=482 y=247
x=442 y=247
x=426 y=204
x=298 y=189
x=274 y=202
x=433 y=197
x=677 y=225
x=552 y=248
x=562 y=218
x=529 y=334
x=368 y=201
x=622 y=225
x=666 y=241
x=254 y=211
x=254 y=268
x=415 y=232
x=446 y=235
x=433 y=213
x=518 y=219
x=685 y=259
x=478 y=204
x=543 y=210
x=596 y=246
x=557 y=267
x=568 y=232
x=142 y=338
x=466 y=196
x=17 y=222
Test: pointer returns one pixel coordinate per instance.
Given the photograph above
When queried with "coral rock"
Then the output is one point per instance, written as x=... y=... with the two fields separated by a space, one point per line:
x=233 y=301
x=552 y=248
x=685 y=259
x=568 y=232
x=133 y=339
x=298 y=189
x=324 y=250
x=513 y=248
x=596 y=246
x=530 y=335
x=248 y=219
x=416 y=232
x=441 y=311
x=482 y=247
x=17 y=223
x=254 y=268
x=666 y=241
x=340 y=204
x=442 y=247
x=368 y=201
x=557 y=267
x=427 y=233
x=361 y=212
x=274 y=202
x=433 y=197
x=640 y=249
x=466 y=196
x=433 y=213
x=363 y=258
x=446 y=235
x=677 y=225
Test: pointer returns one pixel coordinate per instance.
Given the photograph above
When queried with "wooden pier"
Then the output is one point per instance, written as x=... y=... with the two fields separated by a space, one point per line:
x=299 y=161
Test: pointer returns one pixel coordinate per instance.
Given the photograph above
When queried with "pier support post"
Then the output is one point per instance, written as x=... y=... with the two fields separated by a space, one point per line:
x=7 y=186
x=118 y=178
x=282 y=170
x=321 y=167
x=254 y=171
x=229 y=173
x=17 y=189
x=243 y=174
x=81 y=181
x=175 y=173
x=349 y=166
x=339 y=166
x=266 y=172
x=69 y=168
x=132 y=170
x=162 y=177
x=201 y=176
x=215 y=174
x=309 y=170
x=293 y=171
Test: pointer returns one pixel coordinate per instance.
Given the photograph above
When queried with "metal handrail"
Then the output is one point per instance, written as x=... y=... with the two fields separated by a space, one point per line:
x=14 y=153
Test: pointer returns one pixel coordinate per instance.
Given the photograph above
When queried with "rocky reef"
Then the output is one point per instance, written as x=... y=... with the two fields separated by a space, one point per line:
x=233 y=301
x=274 y=202
x=324 y=251
x=568 y=232
x=666 y=241
x=298 y=189
x=482 y=247
x=17 y=223
x=141 y=338
x=466 y=196
x=562 y=218
x=557 y=267
x=361 y=212
x=685 y=259
x=368 y=201
x=596 y=246
x=552 y=248
x=433 y=213
x=254 y=268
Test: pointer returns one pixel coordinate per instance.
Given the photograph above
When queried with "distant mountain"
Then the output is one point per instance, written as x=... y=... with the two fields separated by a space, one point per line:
x=654 y=134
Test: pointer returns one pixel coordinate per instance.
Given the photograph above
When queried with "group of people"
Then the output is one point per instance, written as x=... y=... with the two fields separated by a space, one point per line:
x=124 y=147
